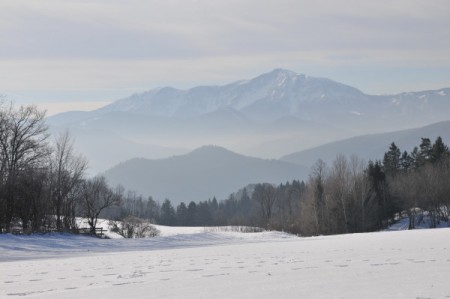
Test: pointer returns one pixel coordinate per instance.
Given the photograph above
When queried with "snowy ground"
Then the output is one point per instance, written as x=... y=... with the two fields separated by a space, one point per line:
x=201 y=264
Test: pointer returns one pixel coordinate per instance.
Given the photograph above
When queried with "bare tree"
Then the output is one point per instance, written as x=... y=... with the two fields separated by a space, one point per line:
x=339 y=181
x=265 y=195
x=67 y=172
x=360 y=193
x=23 y=145
x=96 y=196
x=32 y=198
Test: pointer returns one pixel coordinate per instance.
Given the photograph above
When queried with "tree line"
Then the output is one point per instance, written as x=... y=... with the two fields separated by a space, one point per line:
x=347 y=196
x=43 y=184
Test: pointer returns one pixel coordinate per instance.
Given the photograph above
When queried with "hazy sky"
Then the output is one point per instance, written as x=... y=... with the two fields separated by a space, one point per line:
x=68 y=55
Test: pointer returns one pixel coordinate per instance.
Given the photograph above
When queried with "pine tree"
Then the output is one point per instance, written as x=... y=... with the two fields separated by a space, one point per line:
x=192 y=214
x=425 y=151
x=167 y=213
x=378 y=186
x=439 y=150
x=391 y=161
x=182 y=214
x=406 y=161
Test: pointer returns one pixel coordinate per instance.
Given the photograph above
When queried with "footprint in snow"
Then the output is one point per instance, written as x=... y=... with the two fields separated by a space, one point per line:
x=212 y=275
x=194 y=270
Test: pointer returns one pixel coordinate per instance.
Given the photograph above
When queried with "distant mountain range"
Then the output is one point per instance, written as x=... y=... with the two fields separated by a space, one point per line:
x=269 y=116
x=283 y=93
x=202 y=174
x=267 y=97
x=214 y=171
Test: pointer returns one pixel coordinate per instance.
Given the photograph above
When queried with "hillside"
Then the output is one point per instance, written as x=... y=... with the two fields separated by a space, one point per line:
x=370 y=147
x=203 y=173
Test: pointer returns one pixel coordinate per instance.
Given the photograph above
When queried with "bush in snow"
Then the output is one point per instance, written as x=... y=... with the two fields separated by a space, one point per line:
x=134 y=227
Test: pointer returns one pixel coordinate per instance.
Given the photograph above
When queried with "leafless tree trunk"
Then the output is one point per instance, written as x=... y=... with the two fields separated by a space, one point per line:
x=265 y=195
x=340 y=184
x=67 y=172
x=360 y=190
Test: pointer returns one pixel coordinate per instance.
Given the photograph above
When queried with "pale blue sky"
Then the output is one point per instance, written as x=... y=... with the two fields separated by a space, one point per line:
x=66 y=54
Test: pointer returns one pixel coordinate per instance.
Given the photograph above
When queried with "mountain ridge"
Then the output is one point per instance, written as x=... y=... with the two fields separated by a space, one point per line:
x=201 y=174
x=269 y=87
x=370 y=146
x=267 y=116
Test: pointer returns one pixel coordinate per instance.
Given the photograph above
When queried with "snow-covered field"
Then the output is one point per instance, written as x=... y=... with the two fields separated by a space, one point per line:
x=194 y=263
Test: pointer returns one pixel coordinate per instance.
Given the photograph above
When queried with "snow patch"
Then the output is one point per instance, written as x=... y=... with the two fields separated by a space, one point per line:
x=356 y=113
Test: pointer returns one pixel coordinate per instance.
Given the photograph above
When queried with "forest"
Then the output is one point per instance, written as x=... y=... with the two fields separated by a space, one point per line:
x=346 y=197
x=44 y=187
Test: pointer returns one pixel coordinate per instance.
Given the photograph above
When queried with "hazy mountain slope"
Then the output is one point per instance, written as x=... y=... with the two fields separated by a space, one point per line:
x=65 y=119
x=103 y=148
x=370 y=146
x=206 y=172
x=267 y=116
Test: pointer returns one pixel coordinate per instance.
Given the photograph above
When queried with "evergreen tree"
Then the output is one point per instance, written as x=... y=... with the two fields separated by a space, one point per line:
x=167 y=213
x=182 y=214
x=152 y=210
x=425 y=151
x=391 y=161
x=377 y=180
x=406 y=161
x=192 y=214
x=318 y=181
x=439 y=150
x=203 y=214
x=214 y=204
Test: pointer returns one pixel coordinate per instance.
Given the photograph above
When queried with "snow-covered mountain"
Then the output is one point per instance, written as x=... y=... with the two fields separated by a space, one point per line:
x=278 y=93
x=268 y=116
x=281 y=93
